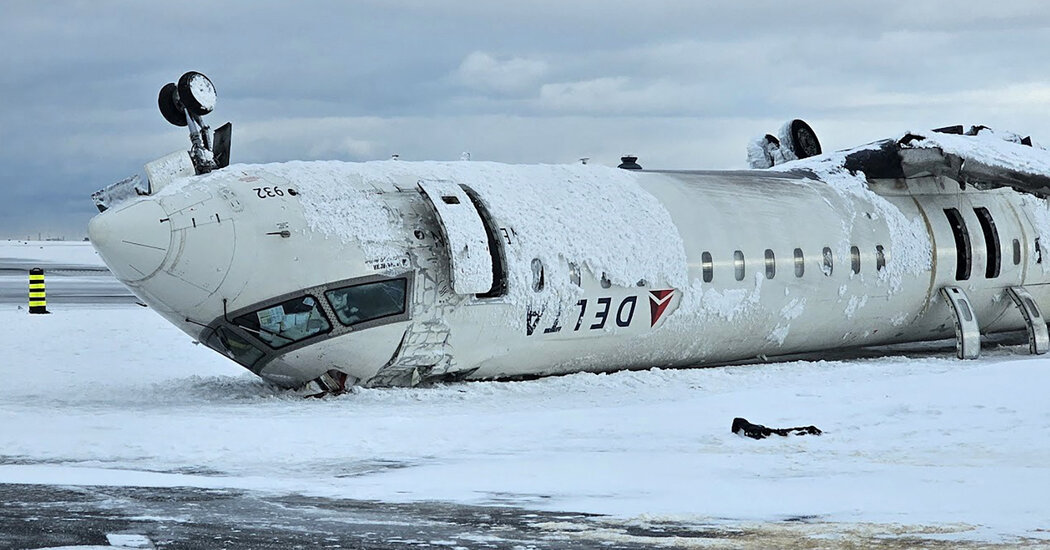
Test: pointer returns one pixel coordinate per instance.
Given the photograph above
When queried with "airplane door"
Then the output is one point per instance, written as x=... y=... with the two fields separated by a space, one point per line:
x=465 y=236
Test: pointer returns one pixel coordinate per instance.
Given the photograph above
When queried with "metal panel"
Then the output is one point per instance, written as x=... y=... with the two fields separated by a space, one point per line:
x=166 y=169
x=1038 y=338
x=468 y=243
x=967 y=331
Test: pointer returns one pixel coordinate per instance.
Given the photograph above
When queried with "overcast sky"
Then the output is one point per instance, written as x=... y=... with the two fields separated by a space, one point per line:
x=680 y=84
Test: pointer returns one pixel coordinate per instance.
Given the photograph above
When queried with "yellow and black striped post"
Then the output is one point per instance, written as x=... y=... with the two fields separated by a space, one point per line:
x=37 y=296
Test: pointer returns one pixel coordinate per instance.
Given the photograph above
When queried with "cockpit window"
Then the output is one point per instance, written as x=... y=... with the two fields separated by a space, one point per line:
x=286 y=322
x=234 y=346
x=367 y=302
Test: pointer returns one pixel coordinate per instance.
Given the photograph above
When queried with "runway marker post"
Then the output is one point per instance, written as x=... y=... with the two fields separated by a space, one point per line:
x=37 y=294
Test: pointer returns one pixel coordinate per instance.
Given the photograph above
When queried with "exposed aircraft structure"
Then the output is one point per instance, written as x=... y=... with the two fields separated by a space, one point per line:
x=329 y=274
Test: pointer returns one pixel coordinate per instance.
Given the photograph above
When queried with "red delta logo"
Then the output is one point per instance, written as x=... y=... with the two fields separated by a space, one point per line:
x=658 y=302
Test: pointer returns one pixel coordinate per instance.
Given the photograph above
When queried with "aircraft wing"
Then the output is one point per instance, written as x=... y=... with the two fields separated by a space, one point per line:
x=985 y=159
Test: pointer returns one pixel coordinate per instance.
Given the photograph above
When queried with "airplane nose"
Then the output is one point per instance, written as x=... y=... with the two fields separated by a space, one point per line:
x=133 y=240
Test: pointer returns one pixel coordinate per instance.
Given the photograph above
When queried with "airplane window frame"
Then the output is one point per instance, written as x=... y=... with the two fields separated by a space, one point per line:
x=575 y=275
x=771 y=263
x=254 y=322
x=538 y=276
x=346 y=320
x=800 y=263
x=708 y=266
x=244 y=353
x=827 y=265
x=739 y=267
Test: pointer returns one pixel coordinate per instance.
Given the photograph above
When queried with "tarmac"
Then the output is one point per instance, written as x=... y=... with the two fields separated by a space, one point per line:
x=66 y=284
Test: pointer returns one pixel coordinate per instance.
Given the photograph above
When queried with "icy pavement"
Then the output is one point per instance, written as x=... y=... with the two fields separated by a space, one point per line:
x=918 y=449
x=184 y=518
x=191 y=519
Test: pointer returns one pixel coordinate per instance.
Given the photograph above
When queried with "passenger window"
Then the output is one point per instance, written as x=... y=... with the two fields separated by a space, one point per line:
x=287 y=322
x=771 y=264
x=606 y=283
x=800 y=263
x=854 y=259
x=537 y=274
x=738 y=265
x=369 y=301
x=708 y=266
x=574 y=274
x=829 y=262
x=1017 y=252
x=880 y=258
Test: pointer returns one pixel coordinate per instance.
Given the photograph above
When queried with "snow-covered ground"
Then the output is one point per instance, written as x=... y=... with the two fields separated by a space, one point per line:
x=111 y=394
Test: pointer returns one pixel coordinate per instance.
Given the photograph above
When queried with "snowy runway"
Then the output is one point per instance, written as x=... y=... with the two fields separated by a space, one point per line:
x=914 y=446
x=74 y=274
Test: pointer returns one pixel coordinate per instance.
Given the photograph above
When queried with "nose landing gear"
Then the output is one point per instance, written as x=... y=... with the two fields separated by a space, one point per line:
x=184 y=104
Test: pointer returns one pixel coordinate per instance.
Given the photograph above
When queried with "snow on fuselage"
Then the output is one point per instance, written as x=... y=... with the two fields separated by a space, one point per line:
x=299 y=269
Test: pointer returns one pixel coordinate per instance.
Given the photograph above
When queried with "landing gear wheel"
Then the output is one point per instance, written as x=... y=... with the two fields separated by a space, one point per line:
x=197 y=93
x=769 y=147
x=170 y=106
x=803 y=142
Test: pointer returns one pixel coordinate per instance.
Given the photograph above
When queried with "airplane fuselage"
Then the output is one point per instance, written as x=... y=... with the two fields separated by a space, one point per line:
x=398 y=272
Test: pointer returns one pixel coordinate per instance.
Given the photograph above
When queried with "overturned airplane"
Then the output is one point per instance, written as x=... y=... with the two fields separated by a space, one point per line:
x=325 y=275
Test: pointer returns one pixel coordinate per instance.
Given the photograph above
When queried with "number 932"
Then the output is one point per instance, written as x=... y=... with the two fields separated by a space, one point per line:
x=267 y=192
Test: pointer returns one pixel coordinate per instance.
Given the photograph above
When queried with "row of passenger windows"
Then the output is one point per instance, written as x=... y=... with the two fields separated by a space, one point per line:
x=575 y=276
x=827 y=266
x=827 y=263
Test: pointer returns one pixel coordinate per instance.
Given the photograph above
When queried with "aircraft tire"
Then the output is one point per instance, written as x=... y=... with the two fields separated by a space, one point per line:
x=169 y=105
x=800 y=139
x=199 y=106
x=770 y=147
x=806 y=141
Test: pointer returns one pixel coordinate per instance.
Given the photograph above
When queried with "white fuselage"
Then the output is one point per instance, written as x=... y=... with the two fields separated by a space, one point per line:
x=586 y=267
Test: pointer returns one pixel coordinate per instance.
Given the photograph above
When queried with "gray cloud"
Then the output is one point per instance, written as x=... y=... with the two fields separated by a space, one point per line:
x=484 y=72
x=682 y=84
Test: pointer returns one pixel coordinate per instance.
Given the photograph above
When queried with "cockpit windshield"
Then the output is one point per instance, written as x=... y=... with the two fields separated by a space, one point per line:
x=234 y=346
x=286 y=322
x=367 y=302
